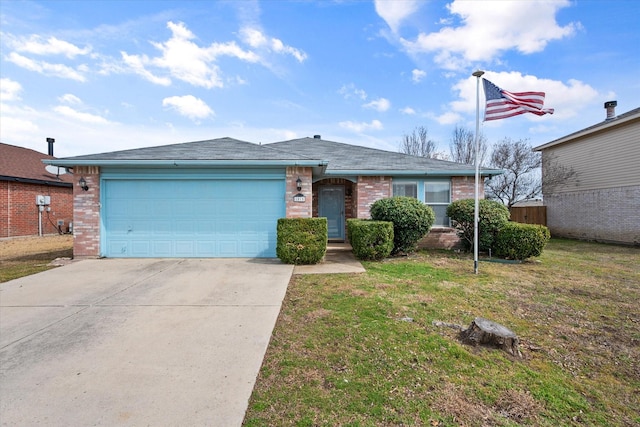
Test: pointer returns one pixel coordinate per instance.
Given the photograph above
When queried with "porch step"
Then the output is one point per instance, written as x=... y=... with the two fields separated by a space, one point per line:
x=339 y=247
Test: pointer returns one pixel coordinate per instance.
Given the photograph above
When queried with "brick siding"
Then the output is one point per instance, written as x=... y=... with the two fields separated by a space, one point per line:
x=86 y=214
x=19 y=212
x=605 y=215
x=368 y=190
x=462 y=187
x=298 y=209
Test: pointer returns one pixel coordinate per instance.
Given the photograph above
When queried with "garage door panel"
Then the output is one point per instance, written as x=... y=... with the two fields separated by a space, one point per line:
x=162 y=248
x=191 y=217
x=140 y=248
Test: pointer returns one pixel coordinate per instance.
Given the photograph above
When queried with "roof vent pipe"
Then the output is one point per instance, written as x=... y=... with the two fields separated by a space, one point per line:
x=611 y=109
x=317 y=137
x=50 y=141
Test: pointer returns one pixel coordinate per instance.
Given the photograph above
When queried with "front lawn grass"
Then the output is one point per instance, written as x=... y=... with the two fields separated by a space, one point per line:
x=361 y=350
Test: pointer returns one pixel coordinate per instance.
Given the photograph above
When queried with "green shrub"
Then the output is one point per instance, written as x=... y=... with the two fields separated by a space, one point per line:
x=301 y=240
x=492 y=216
x=411 y=220
x=370 y=240
x=521 y=241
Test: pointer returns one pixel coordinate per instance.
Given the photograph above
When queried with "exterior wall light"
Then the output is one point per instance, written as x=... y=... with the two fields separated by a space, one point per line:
x=299 y=184
x=83 y=184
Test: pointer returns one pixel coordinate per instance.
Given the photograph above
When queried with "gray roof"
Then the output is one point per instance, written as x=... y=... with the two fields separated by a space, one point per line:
x=213 y=149
x=347 y=158
x=327 y=157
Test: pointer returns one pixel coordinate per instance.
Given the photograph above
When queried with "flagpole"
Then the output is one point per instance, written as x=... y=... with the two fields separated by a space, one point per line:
x=477 y=74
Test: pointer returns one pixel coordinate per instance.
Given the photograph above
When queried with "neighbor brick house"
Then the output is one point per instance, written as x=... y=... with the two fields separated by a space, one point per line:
x=602 y=201
x=22 y=178
x=222 y=197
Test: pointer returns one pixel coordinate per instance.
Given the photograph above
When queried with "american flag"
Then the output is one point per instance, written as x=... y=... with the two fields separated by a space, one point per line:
x=502 y=104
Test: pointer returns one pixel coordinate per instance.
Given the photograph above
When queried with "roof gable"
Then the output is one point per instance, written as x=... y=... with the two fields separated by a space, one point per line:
x=598 y=127
x=18 y=163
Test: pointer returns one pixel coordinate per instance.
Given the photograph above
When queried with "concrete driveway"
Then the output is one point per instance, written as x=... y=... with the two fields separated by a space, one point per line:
x=137 y=342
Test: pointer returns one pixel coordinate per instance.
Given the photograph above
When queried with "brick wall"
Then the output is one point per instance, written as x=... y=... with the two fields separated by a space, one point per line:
x=441 y=238
x=298 y=209
x=86 y=214
x=19 y=212
x=368 y=190
x=605 y=215
x=462 y=187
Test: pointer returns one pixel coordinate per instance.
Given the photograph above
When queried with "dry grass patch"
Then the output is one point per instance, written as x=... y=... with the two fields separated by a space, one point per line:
x=22 y=256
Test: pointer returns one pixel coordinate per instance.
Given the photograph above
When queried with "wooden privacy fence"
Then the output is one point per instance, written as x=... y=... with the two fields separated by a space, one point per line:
x=529 y=214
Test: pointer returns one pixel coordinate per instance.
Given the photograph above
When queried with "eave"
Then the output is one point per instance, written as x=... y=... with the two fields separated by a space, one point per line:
x=183 y=163
x=421 y=172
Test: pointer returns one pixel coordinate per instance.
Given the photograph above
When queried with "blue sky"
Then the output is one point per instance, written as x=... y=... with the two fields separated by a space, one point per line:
x=109 y=75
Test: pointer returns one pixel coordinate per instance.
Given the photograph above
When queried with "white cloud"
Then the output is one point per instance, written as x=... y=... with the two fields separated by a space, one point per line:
x=185 y=60
x=189 y=106
x=408 y=111
x=351 y=91
x=448 y=118
x=17 y=126
x=46 y=68
x=257 y=40
x=486 y=32
x=394 y=12
x=80 y=116
x=360 y=127
x=68 y=98
x=9 y=90
x=380 y=104
x=418 y=75
x=52 y=46
x=136 y=64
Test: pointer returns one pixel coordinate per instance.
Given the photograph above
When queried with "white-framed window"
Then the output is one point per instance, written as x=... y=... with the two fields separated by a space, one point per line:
x=437 y=194
x=405 y=188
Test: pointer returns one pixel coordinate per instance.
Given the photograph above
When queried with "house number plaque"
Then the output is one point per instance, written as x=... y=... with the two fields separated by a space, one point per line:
x=299 y=198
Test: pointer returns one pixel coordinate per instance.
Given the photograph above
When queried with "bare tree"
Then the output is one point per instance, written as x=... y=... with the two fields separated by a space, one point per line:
x=463 y=146
x=521 y=179
x=418 y=143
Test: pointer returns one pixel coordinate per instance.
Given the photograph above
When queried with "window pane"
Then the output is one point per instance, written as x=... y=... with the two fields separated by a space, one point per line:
x=437 y=192
x=442 y=220
x=409 y=189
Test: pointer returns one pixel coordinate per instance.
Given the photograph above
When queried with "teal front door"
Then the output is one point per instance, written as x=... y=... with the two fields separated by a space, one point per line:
x=331 y=206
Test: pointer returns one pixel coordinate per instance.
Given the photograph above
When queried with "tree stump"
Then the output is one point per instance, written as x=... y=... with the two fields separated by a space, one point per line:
x=485 y=332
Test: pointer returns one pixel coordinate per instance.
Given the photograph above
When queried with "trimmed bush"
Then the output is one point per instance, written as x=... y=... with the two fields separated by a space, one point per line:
x=370 y=240
x=411 y=220
x=521 y=241
x=301 y=240
x=492 y=216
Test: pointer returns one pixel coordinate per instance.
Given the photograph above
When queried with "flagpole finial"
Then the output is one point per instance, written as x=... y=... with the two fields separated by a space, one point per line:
x=478 y=73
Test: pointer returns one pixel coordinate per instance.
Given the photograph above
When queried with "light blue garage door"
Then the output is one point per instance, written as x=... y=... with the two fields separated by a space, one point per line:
x=221 y=215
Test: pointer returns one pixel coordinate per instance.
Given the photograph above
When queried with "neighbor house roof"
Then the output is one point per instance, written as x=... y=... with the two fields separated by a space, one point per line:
x=607 y=124
x=331 y=158
x=25 y=165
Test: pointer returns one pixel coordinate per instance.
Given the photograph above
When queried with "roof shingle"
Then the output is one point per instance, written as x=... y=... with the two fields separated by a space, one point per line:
x=18 y=163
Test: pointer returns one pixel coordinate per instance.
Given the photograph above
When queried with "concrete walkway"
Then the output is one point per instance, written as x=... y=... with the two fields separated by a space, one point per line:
x=137 y=342
x=338 y=259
